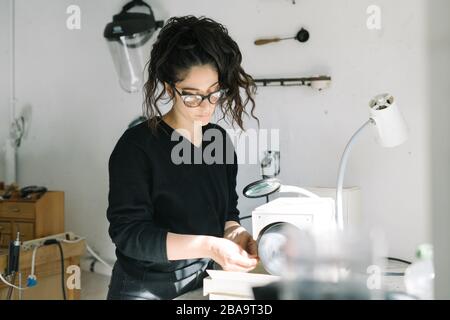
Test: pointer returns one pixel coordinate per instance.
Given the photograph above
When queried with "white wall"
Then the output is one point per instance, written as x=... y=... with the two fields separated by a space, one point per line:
x=79 y=111
x=4 y=76
x=439 y=44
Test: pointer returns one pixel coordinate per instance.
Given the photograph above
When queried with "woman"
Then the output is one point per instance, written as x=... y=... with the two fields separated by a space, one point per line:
x=171 y=219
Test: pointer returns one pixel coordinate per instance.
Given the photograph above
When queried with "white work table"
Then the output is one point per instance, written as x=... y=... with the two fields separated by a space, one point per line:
x=392 y=283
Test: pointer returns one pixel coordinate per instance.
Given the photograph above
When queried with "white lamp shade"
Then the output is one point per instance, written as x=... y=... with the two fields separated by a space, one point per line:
x=389 y=122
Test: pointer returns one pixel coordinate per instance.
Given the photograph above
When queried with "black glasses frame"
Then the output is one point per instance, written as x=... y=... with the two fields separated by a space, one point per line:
x=184 y=97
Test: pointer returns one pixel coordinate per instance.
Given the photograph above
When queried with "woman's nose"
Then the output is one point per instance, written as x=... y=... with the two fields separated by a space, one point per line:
x=206 y=104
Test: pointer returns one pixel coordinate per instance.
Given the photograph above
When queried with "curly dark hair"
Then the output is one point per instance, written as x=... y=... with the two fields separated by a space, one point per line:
x=189 y=41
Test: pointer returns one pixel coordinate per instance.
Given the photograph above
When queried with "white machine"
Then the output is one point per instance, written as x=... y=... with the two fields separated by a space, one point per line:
x=315 y=212
x=303 y=213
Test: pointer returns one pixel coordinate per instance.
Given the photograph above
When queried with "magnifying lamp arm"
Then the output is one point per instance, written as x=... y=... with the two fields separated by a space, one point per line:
x=294 y=189
x=340 y=181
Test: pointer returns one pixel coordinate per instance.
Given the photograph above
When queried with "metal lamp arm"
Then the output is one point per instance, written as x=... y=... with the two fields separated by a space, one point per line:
x=294 y=189
x=340 y=180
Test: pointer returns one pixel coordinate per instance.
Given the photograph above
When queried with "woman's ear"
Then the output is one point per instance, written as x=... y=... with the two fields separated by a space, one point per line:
x=169 y=90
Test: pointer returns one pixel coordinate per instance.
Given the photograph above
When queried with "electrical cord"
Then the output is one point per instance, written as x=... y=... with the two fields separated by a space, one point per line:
x=396 y=274
x=62 y=270
x=10 y=284
x=61 y=253
x=393 y=274
x=10 y=289
x=73 y=241
x=31 y=281
x=96 y=256
x=398 y=260
x=33 y=261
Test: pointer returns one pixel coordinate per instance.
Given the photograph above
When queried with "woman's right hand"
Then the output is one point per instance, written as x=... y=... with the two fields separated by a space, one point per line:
x=230 y=256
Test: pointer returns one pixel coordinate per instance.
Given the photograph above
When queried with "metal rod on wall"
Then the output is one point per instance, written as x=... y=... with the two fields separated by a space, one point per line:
x=319 y=83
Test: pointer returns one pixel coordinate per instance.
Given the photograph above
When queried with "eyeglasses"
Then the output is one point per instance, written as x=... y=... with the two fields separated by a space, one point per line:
x=195 y=100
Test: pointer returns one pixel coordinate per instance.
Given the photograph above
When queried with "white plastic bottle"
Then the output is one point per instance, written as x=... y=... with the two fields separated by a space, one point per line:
x=419 y=276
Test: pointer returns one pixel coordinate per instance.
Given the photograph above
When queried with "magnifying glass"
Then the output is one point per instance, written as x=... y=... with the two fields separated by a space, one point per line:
x=268 y=186
x=262 y=188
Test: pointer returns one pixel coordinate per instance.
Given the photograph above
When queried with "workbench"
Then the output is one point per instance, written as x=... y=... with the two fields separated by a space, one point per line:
x=393 y=282
x=47 y=271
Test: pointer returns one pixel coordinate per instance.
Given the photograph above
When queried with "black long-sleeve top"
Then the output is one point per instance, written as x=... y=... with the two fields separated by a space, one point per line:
x=150 y=195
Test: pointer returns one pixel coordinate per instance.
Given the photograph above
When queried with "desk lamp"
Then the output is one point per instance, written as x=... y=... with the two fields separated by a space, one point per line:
x=392 y=131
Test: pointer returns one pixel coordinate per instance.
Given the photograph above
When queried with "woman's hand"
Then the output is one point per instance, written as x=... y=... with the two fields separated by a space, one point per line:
x=230 y=256
x=240 y=236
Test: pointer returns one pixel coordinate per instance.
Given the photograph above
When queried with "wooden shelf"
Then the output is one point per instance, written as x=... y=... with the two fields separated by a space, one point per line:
x=32 y=218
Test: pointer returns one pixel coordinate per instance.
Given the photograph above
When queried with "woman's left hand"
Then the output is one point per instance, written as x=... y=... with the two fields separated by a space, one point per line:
x=240 y=236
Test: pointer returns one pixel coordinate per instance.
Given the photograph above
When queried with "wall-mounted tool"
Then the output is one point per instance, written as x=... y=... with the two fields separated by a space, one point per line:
x=318 y=83
x=127 y=36
x=301 y=36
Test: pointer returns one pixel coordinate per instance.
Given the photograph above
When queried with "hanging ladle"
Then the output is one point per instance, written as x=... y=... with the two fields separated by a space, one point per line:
x=302 y=36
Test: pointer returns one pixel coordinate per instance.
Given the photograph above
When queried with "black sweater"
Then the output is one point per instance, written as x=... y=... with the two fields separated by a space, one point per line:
x=150 y=195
